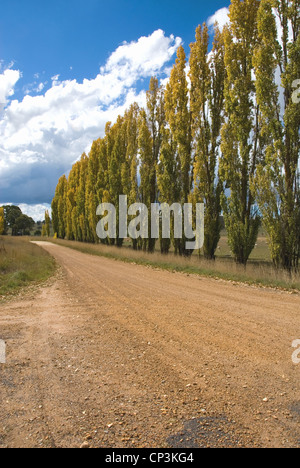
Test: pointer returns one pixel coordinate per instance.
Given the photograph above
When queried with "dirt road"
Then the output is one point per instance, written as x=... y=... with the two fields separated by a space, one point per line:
x=109 y=354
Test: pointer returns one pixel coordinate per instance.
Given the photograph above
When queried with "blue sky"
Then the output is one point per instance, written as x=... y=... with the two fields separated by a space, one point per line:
x=69 y=66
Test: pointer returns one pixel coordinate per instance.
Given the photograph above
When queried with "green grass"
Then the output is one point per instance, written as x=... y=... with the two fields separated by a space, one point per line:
x=260 y=253
x=259 y=271
x=21 y=264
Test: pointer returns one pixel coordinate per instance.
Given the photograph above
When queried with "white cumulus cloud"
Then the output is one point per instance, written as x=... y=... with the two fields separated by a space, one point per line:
x=36 y=212
x=221 y=17
x=41 y=136
x=144 y=57
x=8 y=80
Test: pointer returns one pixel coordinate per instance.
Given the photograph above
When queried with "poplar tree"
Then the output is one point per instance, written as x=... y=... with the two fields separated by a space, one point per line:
x=47 y=223
x=102 y=175
x=240 y=132
x=151 y=125
x=81 y=221
x=91 y=199
x=147 y=170
x=178 y=118
x=156 y=118
x=116 y=158
x=130 y=164
x=207 y=75
x=168 y=181
x=277 y=180
x=102 y=184
x=59 y=208
x=73 y=185
x=2 y=221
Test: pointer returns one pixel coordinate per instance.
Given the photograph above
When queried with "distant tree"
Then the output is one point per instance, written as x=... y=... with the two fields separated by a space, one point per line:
x=11 y=214
x=44 y=231
x=2 y=221
x=59 y=212
x=47 y=223
x=23 y=225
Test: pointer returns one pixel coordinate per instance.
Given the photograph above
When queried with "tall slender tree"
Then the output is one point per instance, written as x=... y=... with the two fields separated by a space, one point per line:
x=168 y=181
x=147 y=170
x=178 y=118
x=277 y=180
x=102 y=175
x=207 y=74
x=2 y=221
x=80 y=200
x=130 y=165
x=116 y=159
x=72 y=231
x=240 y=133
x=59 y=209
x=47 y=223
x=156 y=118
x=91 y=199
x=151 y=125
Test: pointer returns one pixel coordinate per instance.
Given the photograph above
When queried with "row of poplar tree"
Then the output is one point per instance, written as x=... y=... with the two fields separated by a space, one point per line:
x=222 y=132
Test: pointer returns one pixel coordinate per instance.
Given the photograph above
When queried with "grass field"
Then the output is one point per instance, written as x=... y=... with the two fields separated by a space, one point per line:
x=22 y=263
x=259 y=271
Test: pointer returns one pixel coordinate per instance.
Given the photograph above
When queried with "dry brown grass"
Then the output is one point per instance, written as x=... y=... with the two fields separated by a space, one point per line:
x=259 y=272
x=22 y=263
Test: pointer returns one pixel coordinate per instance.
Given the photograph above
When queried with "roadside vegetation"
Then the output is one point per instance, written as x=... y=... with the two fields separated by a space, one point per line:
x=21 y=264
x=225 y=134
x=260 y=270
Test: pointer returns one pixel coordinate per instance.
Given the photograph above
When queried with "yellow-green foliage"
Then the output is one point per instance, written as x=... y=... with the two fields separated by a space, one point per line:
x=22 y=263
x=221 y=134
x=47 y=223
x=277 y=180
x=240 y=132
x=2 y=222
x=207 y=74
